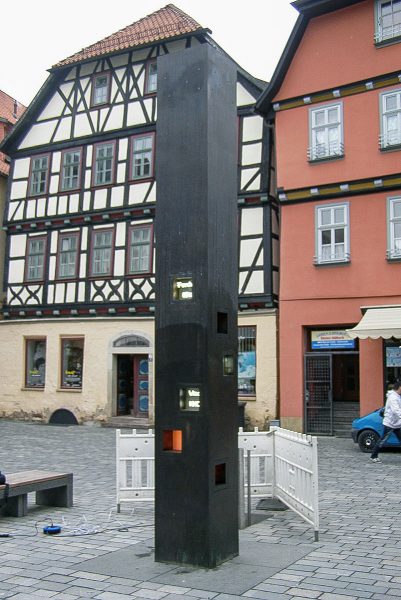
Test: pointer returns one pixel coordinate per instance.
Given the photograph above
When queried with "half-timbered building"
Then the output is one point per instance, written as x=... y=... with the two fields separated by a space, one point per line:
x=78 y=329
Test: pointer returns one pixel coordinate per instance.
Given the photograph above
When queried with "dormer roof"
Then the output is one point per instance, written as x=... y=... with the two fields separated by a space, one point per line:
x=165 y=23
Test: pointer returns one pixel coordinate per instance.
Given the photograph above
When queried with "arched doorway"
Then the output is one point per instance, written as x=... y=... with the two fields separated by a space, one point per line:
x=132 y=356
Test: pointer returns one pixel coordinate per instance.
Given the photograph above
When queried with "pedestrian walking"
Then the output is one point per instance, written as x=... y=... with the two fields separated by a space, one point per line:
x=391 y=420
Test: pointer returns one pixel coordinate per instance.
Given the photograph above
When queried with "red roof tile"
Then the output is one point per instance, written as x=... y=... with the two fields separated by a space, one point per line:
x=10 y=111
x=163 y=24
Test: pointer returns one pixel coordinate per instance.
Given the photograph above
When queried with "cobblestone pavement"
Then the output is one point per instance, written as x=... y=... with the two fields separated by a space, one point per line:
x=358 y=554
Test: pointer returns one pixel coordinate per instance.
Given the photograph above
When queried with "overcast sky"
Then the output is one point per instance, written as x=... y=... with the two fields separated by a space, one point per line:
x=37 y=34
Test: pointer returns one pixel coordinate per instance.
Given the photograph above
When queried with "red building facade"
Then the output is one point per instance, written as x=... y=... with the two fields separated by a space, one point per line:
x=335 y=98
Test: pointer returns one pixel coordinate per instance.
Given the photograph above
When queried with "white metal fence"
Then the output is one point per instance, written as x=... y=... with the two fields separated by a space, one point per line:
x=279 y=464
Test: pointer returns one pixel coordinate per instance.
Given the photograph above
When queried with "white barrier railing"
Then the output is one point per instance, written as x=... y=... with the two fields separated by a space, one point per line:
x=280 y=464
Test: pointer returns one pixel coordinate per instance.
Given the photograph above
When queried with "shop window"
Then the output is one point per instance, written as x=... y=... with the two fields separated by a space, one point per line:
x=332 y=234
x=72 y=358
x=247 y=361
x=35 y=363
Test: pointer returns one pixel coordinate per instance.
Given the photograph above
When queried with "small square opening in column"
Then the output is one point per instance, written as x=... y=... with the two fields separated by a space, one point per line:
x=222 y=322
x=172 y=440
x=220 y=474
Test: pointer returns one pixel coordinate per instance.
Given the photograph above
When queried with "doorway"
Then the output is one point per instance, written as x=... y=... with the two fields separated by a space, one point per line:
x=331 y=392
x=133 y=385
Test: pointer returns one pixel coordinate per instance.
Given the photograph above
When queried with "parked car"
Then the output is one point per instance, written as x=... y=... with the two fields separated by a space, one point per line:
x=366 y=431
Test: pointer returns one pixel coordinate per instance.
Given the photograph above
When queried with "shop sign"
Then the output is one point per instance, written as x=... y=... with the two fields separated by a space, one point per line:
x=333 y=340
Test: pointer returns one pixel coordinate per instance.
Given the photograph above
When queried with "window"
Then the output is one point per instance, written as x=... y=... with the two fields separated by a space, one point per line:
x=104 y=164
x=325 y=135
x=70 y=170
x=72 y=358
x=140 y=250
x=332 y=232
x=35 y=262
x=390 y=119
x=102 y=252
x=142 y=156
x=394 y=228
x=100 y=89
x=39 y=175
x=35 y=363
x=67 y=255
x=151 y=78
x=388 y=20
x=247 y=360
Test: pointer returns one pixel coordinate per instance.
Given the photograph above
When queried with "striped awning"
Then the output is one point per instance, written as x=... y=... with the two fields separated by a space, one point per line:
x=378 y=322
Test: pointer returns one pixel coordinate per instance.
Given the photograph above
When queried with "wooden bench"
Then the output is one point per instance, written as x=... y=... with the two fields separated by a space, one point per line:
x=52 y=489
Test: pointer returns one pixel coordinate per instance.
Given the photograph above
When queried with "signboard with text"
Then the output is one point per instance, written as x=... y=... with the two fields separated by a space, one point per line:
x=331 y=340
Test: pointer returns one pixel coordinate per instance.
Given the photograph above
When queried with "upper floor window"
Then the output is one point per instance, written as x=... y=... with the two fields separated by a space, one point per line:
x=332 y=234
x=151 y=77
x=390 y=119
x=102 y=246
x=104 y=164
x=39 y=175
x=35 y=262
x=325 y=132
x=70 y=170
x=388 y=20
x=394 y=228
x=142 y=156
x=140 y=249
x=100 y=89
x=67 y=255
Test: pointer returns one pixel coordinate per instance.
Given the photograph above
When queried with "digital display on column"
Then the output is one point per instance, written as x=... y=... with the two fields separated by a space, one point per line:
x=190 y=398
x=183 y=288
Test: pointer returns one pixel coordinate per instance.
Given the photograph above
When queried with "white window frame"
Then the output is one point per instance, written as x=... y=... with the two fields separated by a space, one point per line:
x=335 y=255
x=140 y=249
x=390 y=139
x=142 y=157
x=100 y=93
x=393 y=220
x=39 y=175
x=35 y=258
x=70 y=171
x=327 y=149
x=390 y=32
x=102 y=253
x=151 y=77
x=104 y=165
x=67 y=257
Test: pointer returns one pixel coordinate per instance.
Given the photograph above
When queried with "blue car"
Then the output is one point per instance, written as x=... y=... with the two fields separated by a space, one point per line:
x=366 y=431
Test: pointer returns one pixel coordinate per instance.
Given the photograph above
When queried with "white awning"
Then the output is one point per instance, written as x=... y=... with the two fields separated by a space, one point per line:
x=378 y=322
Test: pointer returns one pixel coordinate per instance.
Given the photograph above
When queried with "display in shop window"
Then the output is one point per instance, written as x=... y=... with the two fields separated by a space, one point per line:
x=35 y=363
x=72 y=361
x=246 y=372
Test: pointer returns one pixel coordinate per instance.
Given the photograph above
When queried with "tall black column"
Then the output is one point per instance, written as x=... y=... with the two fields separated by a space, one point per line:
x=196 y=313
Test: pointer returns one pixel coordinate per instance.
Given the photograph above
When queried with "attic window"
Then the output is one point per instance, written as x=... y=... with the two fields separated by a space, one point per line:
x=151 y=77
x=100 y=89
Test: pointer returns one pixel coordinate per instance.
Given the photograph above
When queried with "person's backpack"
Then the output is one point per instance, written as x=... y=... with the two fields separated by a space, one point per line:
x=3 y=479
x=381 y=411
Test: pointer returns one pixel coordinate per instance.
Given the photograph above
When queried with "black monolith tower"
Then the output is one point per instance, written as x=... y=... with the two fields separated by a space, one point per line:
x=196 y=509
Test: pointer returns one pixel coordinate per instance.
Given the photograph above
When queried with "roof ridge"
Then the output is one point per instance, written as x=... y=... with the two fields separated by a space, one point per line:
x=153 y=27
